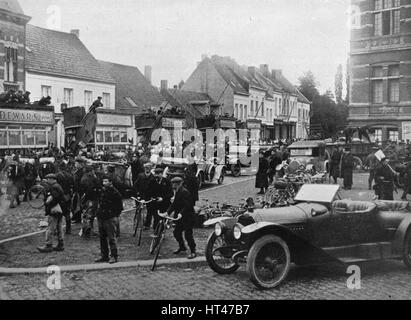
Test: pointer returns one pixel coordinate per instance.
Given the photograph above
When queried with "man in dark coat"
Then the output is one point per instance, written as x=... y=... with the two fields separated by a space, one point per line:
x=163 y=191
x=76 y=204
x=335 y=162
x=135 y=167
x=54 y=199
x=89 y=189
x=30 y=176
x=183 y=204
x=273 y=162
x=145 y=188
x=108 y=213
x=407 y=181
x=262 y=175
x=347 y=167
x=384 y=178
x=66 y=181
x=191 y=181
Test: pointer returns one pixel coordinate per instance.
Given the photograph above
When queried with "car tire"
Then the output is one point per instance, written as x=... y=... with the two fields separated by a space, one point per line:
x=258 y=258
x=214 y=265
x=406 y=256
x=235 y=170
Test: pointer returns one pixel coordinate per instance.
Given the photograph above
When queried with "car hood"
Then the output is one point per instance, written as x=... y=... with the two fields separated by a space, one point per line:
x=284 y=215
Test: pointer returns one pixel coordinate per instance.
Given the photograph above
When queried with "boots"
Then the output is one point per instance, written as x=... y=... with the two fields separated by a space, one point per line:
x=59 y=247
x=45 y=249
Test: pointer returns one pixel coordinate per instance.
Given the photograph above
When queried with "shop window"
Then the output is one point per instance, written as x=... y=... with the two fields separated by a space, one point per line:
x=116 y=136
x=3 y=138
x=393 y=135
x=108 y=137
x=99 y=137
x=14 y=138
x=123 y=137
x=41 y=138
x=28 y=138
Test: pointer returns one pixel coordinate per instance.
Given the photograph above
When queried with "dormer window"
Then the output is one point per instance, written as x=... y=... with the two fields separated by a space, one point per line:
x=10 y=65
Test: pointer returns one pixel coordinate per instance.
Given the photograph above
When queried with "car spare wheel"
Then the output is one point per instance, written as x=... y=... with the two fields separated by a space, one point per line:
x=407 y=249
x=219 y=256
x=268 y=262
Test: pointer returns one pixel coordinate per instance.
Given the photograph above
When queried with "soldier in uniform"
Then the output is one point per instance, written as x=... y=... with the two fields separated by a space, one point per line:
x=384 y=178
x=347 y=166
x=89 y=187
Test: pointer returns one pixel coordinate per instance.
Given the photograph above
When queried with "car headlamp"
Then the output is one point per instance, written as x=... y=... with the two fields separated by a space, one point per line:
x=218 y=230
x=237 y=231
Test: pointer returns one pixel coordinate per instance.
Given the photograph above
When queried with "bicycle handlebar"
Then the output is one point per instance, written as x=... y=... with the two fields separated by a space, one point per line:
x=143 y=201
x=167 y=217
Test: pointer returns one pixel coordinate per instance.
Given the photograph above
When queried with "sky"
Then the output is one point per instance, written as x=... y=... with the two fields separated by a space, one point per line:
x=172 y=35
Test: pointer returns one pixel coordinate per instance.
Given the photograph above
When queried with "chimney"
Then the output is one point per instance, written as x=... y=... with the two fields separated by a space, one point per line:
x=251 y=71
x=147 y=73
x=276 y=73
x=164 y=85
x=76 y=32
x=265 y=70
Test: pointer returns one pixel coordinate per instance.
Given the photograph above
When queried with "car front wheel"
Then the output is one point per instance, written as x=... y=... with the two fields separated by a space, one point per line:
x=407 y=250
x=219 y=256
x=268 y=262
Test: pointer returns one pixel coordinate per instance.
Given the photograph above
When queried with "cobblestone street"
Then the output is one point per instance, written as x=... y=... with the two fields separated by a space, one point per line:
x=387 y=280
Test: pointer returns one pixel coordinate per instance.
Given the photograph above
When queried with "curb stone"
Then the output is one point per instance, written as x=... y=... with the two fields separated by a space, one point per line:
x=179 y=262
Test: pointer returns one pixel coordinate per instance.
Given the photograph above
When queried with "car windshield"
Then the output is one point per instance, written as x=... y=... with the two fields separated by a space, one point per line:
x=301 y=152
x=318 y=193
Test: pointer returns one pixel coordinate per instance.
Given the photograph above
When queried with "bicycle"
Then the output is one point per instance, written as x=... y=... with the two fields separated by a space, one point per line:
x=139 y=217
x=165 y=223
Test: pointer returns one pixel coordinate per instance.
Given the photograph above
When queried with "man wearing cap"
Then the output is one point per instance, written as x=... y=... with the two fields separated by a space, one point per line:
x=384 y=178
x=347 y=166
x=372 y=162
x=108 y=213
x=54 y=198
x=145 y=188
x=183 y=204
x=163 y=190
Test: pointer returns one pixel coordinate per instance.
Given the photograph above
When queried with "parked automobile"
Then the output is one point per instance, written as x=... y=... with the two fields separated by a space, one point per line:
x=310 y=153
x=320 y=228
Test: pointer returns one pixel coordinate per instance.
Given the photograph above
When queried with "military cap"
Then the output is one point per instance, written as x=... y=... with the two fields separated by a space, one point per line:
x=177 y=180
x=51 y=176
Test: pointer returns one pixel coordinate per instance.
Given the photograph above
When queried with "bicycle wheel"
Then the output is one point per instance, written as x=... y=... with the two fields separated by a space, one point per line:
x=157 y=237
x=157 y=251
x=137 y=222
x=37 y=195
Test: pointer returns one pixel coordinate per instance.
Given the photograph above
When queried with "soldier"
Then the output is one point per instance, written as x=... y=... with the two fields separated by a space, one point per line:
x=66 y=181
x=30 y=176
x=183 y=204
x=54 y=198
x=76 y=203
x=384 y=178
x=262 y=177
x=89 y=187
x=347 y=166
x=335 y=163
x=108 y=213
x=372 y=162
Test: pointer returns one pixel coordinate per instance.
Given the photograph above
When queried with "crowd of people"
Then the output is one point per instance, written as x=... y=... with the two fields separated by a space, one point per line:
x=80 y=193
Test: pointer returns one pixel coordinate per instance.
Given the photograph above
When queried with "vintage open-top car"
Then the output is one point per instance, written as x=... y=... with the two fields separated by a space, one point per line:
x=320 y=228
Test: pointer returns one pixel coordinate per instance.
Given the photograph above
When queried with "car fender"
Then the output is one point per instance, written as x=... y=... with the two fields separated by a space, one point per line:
x=398 y=243
x=214 y=221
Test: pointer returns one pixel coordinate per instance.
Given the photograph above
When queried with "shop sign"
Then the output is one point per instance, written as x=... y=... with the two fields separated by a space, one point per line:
x=26 y=116
x=227 y=124
x=113 y=120
x=406 y=131
x=174 y=123
x=253 y=125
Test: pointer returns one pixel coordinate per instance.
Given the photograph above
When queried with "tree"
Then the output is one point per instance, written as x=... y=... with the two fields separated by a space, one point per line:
x=339 y=84
x=308 y=85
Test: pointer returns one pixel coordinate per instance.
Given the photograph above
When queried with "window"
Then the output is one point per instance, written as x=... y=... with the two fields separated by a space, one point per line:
x=28 y=138
x=88 y=99
x=108 y=137
x=46 y=91
x=23 y=136
x=394 y=71
x=262 y=109
x=267 y=114
x=377 y=72
x=111 y=136
x=386 y=20
x=245 y=112
x=252 y=108
x=106 y=100
x=377 y=91
x=271 y=115
x=394 y=90
x=10 y=65
x=99 y=137
x=393 y=135
x=236 y=110
x=256 y=108
x=68 y=97
x=378 y=135
x=241 y=111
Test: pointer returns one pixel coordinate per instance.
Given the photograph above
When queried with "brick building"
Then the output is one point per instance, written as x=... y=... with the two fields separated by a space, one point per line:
x=12 y=45
x=380 y=68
